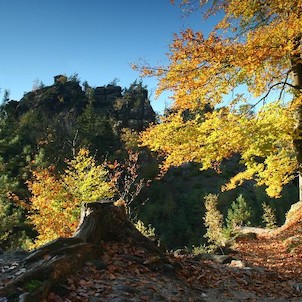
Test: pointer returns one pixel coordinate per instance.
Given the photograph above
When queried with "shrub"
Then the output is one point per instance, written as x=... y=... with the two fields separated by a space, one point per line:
x=269 y=216
x=201 y=249
x=213 y=221
x=239 y=214
x=146 y=231
x=56 y=200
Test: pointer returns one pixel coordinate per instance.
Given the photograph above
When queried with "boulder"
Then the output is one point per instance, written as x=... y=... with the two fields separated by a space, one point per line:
x=294 y=211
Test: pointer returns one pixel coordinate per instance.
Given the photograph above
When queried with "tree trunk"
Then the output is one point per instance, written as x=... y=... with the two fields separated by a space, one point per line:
x=103 y=221
x=298 y=147
x=100 y=222
x=297 y=83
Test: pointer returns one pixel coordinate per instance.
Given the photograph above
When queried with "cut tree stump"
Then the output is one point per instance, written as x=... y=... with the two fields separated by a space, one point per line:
x=103 y=221
x=48 y=265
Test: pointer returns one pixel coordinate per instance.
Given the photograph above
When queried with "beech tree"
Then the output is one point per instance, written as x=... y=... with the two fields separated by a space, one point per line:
x=242 y=82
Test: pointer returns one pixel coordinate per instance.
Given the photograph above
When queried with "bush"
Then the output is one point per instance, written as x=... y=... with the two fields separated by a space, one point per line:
x=201 y=249
x=213 y=221
x=239 y=214
x=269 y=216
x=146 y=231
x=56 y=201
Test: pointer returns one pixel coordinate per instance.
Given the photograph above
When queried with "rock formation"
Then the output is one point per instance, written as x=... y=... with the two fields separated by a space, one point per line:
x=130 y=108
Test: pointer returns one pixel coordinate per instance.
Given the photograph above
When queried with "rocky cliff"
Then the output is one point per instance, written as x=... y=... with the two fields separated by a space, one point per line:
x=66 y=98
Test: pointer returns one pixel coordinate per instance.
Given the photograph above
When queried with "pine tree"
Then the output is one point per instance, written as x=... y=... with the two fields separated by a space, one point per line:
x=238 y=214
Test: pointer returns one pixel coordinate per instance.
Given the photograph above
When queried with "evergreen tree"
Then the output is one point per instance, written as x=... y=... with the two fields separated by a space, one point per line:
x=269 y=216
x=239 y=214
x=213 y=221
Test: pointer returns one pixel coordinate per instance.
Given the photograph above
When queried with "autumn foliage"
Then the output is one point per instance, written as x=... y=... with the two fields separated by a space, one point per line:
x=56 y=199
x=241 y=84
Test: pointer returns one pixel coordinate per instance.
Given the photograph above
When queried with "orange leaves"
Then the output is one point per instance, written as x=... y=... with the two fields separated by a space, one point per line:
x=203 y=69
x=254 y=46
x=56 y=200
x=196 y=69
x=48 y=207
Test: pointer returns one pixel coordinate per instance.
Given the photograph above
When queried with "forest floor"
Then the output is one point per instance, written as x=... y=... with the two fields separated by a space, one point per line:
x=266 y=268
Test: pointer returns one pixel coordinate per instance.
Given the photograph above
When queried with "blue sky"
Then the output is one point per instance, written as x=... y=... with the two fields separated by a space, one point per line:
x=96 y=39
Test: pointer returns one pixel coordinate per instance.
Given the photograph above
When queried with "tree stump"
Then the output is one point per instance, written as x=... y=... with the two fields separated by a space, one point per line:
x=100 y=222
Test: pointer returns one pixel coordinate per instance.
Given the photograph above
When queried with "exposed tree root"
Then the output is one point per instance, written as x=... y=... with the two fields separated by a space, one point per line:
x=50 y=264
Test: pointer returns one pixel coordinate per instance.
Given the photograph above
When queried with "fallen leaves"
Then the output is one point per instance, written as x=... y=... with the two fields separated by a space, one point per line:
x=133 y=274
x=128 y=272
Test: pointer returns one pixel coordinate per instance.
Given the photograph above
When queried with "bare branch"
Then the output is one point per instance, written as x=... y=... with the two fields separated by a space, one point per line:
x=284 y=84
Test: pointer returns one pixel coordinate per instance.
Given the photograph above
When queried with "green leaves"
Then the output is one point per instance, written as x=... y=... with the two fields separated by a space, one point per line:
x=213 y=221
x=239 y=214
x=56 y=199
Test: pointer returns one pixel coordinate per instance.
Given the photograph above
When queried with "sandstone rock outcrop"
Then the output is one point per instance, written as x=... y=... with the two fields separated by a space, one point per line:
x=65 y=98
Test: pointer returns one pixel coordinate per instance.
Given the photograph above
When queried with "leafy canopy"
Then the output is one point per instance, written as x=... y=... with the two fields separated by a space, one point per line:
x=255 y=47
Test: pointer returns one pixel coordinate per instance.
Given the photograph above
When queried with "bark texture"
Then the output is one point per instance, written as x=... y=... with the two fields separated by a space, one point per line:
x=298 y=147
x=297 y=83
x=50 y=264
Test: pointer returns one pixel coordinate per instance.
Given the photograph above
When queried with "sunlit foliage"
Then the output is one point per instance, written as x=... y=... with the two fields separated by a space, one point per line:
x=264 y=141
x=269 y=216
x=213 y=221
x=238 y=214
x=255 y=47
x=57 y=199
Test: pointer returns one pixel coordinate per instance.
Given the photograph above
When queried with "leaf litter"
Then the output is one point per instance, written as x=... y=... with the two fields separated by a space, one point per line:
x=270 y=271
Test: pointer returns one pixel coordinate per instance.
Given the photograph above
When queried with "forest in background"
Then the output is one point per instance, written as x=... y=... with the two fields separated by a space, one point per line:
x=49 y=126
x=193 y=177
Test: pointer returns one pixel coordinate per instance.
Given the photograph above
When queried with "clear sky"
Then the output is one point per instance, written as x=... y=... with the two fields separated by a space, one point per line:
x=94 y=38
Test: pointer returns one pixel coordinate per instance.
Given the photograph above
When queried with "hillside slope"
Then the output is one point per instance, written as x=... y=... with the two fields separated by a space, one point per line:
x=262 y=268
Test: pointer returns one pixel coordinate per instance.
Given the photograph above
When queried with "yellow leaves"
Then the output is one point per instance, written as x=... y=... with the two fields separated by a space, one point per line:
x=48 y=207
x=278 y=172
x=207 y=140
x=239 y=179
x=223 y=24
x=242 y=9
x=252 y=46
x=56 y=201
x=268 y=152
x=173 y=137
x=85 y=179
x=264 y=141
x=202 y=70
